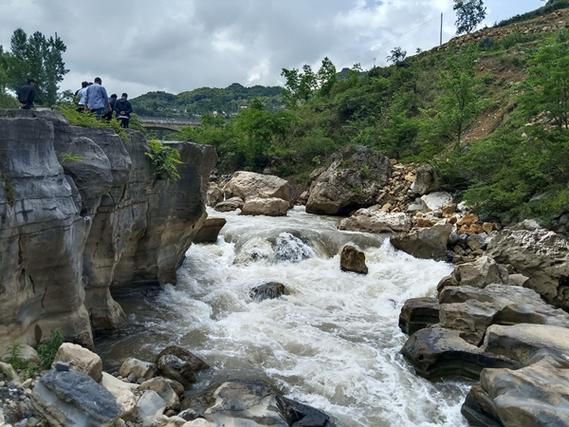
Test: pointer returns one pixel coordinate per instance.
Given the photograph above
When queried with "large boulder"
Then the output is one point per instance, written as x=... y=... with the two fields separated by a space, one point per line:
x=437 y=352
x=124 y=394
x=180 y=365
x=426 y=243
x=534 y=396
x=250 y=185
x=539 y=254
x=72 y=398
x=418 y=313
x=481 y=273
x=81 y=359
x=271 y=206
x=209 y=231
x=436 y=201
x=375 y=220
x=425 y=180
x=353 y=180
x=353 y=260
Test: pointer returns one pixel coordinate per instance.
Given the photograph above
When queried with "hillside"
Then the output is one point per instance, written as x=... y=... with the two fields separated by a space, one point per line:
x=197 y=102
x=487 y=110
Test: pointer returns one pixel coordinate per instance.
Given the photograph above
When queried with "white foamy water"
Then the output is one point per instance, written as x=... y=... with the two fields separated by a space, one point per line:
x=333 y=342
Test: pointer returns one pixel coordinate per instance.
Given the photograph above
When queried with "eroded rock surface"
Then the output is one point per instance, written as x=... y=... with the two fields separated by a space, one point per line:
x=375 y=220
x=429 y=243
x=250 y=185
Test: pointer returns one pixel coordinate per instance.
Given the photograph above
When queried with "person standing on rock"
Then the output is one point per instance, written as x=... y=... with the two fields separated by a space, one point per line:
x=27 y=94
x=123 y=109
x=97 y=99
x=81 y=96
x=112 y=101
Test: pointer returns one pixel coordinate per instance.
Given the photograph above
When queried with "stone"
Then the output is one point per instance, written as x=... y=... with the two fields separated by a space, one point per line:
x=426 y=243
x=418 y=313
x=26 y=353
x=540 y=255
x=481 y=273
x=268 y=206
x=94 y=201
x=209 y=231
x=352 y=180
x=150 y=407
x=123 y=393
x=270 y=290
x=242 y=403
x=8 y=373
x=199 y=422
x=299 y=414
x=72 y=398
x=436 y=201
x=437 y=352
x=230 y=205
x=137 y=370
x=425 y=181
x=251 y=185
x=164 y=389
x=353 y=260
x=536 y=395
x=472 y=310
x=374 y=220
x=80 y=359
x=214 y=195
x=467 y=220
x=180 y=365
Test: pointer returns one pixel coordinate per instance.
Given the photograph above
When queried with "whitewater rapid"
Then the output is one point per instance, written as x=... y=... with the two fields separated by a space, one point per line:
x=333 y=342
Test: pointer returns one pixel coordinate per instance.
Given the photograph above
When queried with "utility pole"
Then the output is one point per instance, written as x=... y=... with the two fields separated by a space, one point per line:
x=441 y=39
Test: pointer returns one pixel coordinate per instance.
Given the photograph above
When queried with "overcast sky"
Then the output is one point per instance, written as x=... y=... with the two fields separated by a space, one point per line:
x=176 y=45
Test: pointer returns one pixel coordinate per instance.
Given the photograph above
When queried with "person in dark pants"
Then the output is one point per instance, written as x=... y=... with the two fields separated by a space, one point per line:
x=112 y=101
x=27 y=94
x=123 y=109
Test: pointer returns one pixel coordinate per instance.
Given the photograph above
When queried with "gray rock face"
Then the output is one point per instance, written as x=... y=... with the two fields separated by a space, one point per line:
x=418 y=313
x=71 y=398
x=81 y=211
x=429 y=243
x=539 y=254
x=353 y=180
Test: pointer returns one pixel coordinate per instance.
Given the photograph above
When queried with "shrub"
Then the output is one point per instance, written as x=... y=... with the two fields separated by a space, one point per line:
x=165 y=161
x=48 y=349
x=88 y=120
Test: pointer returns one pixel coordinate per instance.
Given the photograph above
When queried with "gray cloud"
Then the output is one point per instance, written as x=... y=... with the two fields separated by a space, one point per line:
x=177 y=45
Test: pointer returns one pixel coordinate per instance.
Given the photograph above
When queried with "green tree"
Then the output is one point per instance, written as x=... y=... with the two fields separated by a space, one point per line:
x=301 y=86
x=397 y=55
x=469 y=13
x=326 y=76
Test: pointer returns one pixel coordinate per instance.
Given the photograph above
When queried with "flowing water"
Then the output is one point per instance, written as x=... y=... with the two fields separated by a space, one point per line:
x=333 y=342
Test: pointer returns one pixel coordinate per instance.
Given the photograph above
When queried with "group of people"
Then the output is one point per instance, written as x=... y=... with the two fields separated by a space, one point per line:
x=93 y=97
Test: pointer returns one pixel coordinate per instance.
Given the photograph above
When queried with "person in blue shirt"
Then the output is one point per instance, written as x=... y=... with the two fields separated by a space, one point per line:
x=97 y=99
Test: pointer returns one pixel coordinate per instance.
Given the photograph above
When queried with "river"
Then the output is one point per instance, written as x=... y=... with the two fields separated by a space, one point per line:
x=333 y=342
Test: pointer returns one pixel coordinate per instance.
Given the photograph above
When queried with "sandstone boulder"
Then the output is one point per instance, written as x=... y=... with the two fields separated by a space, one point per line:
x=250 y=185
x=209 y=231
x=137 y=370
x=80 y=359
x=427 y=243
x=180 y=365
x=353 y=260
x=480 y=273
x=418 y=313
x=539 y=254
x=425 y=181
x=353 y=180
x=271 y=290
x=123 y=393
x=265 y=206
x=374 y=220
x=230 y=205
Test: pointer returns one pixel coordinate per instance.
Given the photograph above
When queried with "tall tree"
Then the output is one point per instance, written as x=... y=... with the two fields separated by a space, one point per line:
x=300 y=86
x=469 y=13
x=397 y=55
x=39 y=58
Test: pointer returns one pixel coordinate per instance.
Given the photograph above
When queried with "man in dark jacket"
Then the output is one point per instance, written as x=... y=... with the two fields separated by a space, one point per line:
x=123 y=109
x=26 y=94
x=112 y=101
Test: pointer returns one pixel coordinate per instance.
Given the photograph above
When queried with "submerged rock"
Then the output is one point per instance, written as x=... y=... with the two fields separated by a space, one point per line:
x=72 y=398
x=353 y=180
x=271 y=290
x=353 y=260
x=180 y=364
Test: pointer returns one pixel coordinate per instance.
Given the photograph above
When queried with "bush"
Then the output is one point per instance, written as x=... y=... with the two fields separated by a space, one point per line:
x=165 y=161
x=46 y=352
x=88 y=120
x=48 y=349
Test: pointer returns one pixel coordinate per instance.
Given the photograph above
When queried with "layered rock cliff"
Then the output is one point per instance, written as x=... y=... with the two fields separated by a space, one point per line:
x=80 y=212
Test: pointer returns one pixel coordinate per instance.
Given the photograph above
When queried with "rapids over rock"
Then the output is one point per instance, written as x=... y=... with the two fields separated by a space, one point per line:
x=331 y=341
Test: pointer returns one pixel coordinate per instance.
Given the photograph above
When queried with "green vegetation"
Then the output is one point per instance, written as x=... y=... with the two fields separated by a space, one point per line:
x=35 y=56
x=469 y=14
x=165 y=161
x=46 y=352
x=69 y=158
x=199 y=102
x=88 y=120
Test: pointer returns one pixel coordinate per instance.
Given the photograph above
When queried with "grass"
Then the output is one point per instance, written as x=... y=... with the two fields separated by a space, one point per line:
x=46 y=352
x=88 y=120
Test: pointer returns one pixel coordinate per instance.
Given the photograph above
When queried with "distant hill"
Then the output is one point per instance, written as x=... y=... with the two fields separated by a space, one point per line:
x=197 y=102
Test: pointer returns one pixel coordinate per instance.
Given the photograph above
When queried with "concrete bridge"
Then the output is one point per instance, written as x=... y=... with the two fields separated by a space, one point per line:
x=168 y=124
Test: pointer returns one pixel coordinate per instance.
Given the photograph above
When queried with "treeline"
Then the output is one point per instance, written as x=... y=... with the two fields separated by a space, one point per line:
x=433 y=107
x=33 y=56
